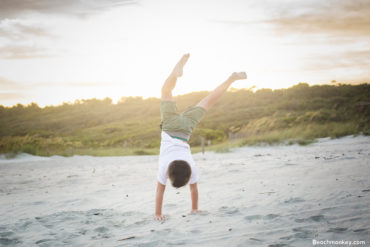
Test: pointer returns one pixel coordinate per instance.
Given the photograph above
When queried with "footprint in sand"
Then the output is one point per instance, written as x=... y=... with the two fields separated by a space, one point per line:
x=9 y=241
x=286 y=237
x=103 y=232
x=229 y=211
x=277 y=245
x=82 y=231
x=25 y=224
x=141 y=222
x=337 y=229
x=6 y=234
x=7 y=238
x=44 y=240
x=315 y=218
x=294 y=200
x=128 y=213
x=323 y=210
x=44 y=222
x=290 y=164
x=36 y=203
x=260 y=217
x=163 y=232
x=91 y=224
x=303 y=233
x=195 y=231
x=101 y=229
x=234 y=171
x=270 y=216
x=256 y=239
x=360 y=230
x=253 y=217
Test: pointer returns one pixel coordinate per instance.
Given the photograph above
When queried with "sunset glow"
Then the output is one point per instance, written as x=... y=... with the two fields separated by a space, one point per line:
x=52 y=53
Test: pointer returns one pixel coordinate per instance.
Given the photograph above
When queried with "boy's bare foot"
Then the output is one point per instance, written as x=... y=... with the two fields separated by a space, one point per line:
x=177 y=71
x=238 y=76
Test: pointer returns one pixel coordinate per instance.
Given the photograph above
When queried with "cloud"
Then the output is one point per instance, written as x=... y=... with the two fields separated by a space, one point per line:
x=338 y=17
x=18 y=38
x=307 y=24
x=82 y=8
x=11 y=96
x=8 y=87
x=6 y=84
x=23 y=52
x=16 y=30
x=350 y=59
x=361 y=58
x=91 y=84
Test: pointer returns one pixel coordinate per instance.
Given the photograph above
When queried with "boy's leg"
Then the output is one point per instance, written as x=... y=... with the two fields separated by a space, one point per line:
x=216 y=94
x=170 y=83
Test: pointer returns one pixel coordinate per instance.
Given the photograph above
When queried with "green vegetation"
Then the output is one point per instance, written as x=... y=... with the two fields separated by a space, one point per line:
x=299 y=114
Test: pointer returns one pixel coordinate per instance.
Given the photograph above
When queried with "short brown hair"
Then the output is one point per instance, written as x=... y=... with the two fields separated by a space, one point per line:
x=179 y=172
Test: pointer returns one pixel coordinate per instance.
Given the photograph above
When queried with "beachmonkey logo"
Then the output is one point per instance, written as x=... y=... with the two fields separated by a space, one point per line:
x=337 y=242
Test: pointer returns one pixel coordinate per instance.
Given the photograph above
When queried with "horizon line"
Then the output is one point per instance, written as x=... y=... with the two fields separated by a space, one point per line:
x=253 y=89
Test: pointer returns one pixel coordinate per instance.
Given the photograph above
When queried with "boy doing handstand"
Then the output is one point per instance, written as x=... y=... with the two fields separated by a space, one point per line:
x=175 y=160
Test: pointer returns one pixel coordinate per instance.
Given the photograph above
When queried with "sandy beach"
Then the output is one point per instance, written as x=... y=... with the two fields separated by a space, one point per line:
x=251 y=196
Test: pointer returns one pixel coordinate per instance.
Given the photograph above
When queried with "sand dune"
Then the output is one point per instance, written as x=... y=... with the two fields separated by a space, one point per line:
x=252 y=196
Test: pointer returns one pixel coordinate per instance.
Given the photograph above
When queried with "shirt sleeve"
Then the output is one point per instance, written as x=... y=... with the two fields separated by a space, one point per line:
x=194 y=175
x=162 y=176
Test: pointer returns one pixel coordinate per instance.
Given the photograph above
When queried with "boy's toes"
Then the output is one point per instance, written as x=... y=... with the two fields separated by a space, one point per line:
x=184 y=59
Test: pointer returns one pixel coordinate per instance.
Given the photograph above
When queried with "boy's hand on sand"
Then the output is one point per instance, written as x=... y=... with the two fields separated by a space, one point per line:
x=177 y=71
x=238 y=76
x=159 y=217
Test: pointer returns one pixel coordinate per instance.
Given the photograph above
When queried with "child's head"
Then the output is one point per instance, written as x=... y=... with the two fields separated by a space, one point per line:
x=179 y=172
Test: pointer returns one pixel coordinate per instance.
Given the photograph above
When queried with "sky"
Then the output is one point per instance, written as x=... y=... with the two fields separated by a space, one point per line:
x=59 y=51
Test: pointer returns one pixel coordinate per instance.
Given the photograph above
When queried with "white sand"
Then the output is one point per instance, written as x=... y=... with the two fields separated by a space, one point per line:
x=259 y=196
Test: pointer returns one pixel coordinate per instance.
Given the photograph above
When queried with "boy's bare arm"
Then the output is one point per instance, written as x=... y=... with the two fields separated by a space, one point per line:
x=194 y=197
x=159 y=201
x=216 y=94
